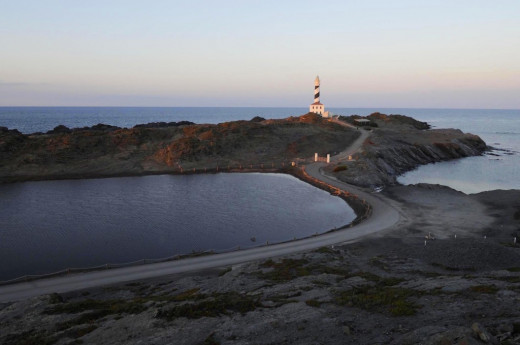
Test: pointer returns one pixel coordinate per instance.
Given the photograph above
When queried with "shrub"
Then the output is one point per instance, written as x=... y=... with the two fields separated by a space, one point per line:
x=380 y=298
x=313 y=303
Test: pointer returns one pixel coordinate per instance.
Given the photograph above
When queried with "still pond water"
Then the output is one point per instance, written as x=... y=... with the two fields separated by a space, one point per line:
x=51 y=225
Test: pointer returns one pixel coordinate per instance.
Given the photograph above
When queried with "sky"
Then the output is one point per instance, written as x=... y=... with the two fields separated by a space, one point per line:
x=368 y=53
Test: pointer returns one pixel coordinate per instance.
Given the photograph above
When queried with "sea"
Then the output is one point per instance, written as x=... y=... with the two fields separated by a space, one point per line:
x=48 y=226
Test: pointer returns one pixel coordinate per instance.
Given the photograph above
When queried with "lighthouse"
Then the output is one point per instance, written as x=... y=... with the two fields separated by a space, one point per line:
x=317 y=107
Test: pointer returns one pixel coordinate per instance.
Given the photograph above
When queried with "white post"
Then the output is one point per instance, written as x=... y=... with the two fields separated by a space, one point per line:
x=328 y=157
x=316 y=157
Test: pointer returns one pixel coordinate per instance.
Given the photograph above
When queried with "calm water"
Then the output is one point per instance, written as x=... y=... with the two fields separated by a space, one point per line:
x=51 y=225
x=42 y=119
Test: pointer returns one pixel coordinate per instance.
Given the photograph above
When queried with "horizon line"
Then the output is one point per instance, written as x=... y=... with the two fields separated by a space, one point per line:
x=271 y=107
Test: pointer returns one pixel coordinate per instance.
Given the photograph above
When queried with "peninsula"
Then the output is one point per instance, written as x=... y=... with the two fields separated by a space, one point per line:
x=393 y=144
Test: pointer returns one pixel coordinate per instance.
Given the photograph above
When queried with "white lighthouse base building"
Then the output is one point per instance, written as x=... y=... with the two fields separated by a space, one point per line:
x=318 y=108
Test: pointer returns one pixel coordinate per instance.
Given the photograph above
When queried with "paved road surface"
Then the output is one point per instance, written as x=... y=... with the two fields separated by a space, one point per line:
x=384 y=216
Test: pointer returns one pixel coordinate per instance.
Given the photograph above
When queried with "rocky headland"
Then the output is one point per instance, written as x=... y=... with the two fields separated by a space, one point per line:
x=447 y=273
x=395 y=144
x=104 y=151
x=398 y=144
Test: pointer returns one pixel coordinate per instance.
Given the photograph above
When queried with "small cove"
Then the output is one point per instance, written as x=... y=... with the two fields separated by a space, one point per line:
x=48 y=226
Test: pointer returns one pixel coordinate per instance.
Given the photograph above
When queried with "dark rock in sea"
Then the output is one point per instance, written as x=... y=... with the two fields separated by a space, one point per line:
x=257 y=119
x=5 y=130
x=59 y=129
x=103 y=127
x=164 y=124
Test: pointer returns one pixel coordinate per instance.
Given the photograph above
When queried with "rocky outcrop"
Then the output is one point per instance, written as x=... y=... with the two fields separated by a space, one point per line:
x=173 y=147
x=400 y=145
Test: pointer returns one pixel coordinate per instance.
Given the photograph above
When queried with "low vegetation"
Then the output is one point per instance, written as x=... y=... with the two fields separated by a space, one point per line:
x=380 y=298
x=489 y=289
x=212 y=306
x=340 y=168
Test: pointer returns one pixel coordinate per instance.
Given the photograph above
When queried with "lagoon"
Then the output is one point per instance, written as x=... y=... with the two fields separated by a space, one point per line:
x=48 y=226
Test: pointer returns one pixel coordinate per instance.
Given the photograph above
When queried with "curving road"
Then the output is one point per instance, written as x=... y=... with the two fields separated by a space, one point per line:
x=385 y=215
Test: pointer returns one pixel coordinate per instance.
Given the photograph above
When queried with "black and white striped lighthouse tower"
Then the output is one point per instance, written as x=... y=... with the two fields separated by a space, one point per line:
x=317 y=107
x=317 y=90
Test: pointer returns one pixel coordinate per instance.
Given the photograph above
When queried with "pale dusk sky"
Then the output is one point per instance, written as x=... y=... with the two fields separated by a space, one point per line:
x=371 y=53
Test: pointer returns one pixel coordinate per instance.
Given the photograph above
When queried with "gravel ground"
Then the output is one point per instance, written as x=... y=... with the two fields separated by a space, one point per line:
x=390 y=289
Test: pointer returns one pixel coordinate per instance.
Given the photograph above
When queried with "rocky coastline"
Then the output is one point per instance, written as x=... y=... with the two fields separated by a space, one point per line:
x=396 y=145
x=399 y=144
x=447 y=273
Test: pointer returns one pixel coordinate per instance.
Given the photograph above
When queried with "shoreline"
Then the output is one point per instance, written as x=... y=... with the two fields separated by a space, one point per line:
x=318 y=179
x=351 y=200
x=360 y=228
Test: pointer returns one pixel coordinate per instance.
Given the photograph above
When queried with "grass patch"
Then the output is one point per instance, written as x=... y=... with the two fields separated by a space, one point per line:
x=280 y=300
x=339 y=271
x=508 y=279
x=425 y=273
x=87 y=318
x=133 y=284
x=285 y=270
x=210 y=340
x=514 y=269
x=216 y=305
x=321 y=283
x=93 y=310
x=30 y=337
x=80 y=331
x=108 y=307
x=488 y=289
x=223 y=272
x=378 y=280
x=41 y=337
x=183 y=296
x=55 y=298
x=289 y=269
x=376 y=262
x=380 y=298
x=449 y=268
x=313 y=303
x=325 y=250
